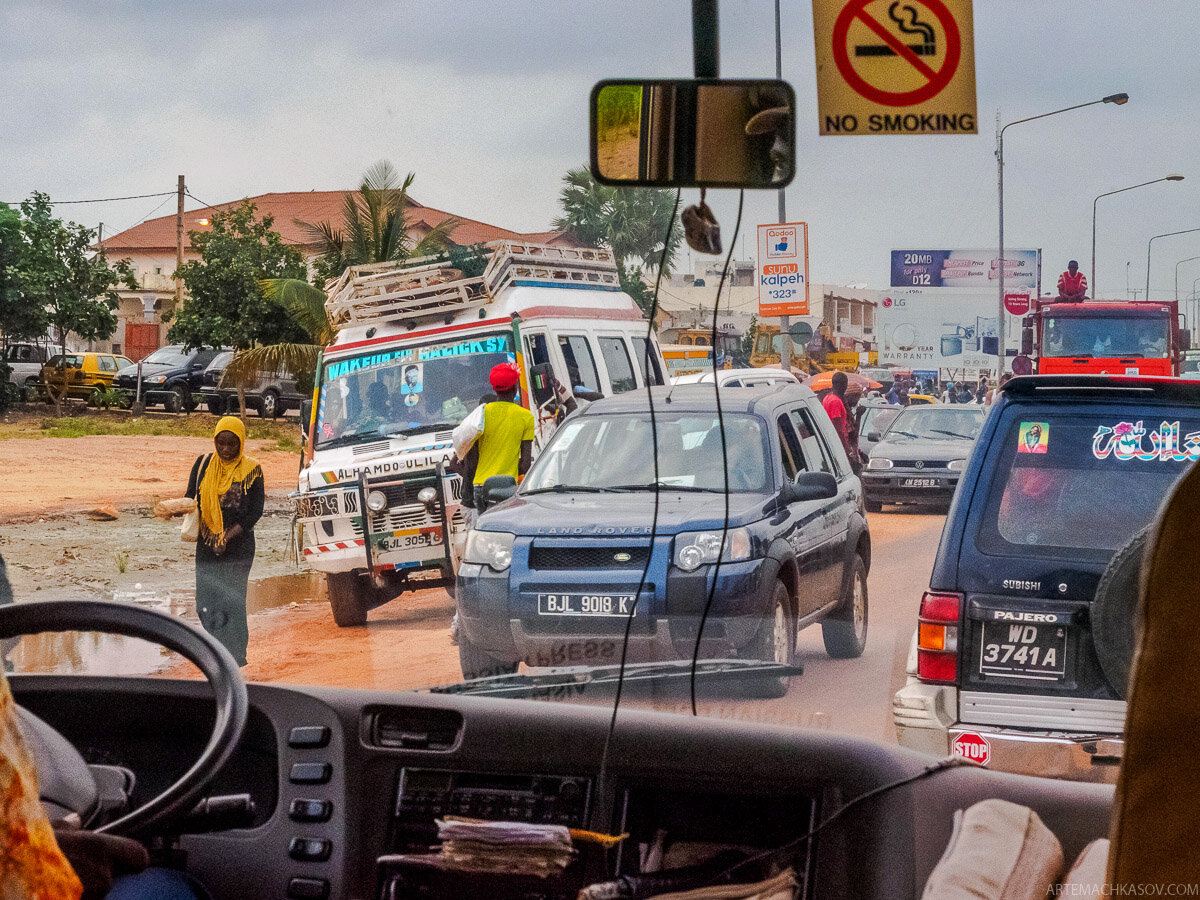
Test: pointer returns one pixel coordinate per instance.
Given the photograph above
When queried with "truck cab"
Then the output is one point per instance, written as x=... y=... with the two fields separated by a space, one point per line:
x=1105 y=337
x=380 y=507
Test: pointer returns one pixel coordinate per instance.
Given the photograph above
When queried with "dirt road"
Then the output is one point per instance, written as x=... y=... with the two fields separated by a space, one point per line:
x=54 y=550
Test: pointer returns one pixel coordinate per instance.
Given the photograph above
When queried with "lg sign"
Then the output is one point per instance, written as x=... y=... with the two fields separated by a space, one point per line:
x=889 y=302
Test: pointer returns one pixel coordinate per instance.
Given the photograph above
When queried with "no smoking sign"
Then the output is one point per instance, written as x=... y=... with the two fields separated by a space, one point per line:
x=895 y=66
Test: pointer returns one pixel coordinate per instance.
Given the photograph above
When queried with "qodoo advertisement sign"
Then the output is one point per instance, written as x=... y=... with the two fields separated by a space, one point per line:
x=941 y=312
x=782 y=270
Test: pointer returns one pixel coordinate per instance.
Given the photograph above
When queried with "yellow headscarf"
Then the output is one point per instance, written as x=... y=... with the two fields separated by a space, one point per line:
x=219 y=477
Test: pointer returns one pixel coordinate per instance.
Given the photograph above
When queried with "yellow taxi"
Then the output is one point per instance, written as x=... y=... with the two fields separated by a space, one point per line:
x=80 y=374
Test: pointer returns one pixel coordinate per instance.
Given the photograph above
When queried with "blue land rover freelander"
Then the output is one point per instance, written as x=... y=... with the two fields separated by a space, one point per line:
x=550 y=576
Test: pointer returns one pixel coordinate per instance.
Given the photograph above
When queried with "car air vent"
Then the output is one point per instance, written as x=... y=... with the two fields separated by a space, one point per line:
x=444 y=436
x=377 y=447
x=414 y=728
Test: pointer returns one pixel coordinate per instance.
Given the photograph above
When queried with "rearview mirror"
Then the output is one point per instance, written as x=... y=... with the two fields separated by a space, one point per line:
x=702 y=133
x=811 y=486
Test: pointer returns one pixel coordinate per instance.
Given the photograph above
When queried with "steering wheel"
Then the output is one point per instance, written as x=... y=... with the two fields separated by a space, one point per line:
x=63 y=775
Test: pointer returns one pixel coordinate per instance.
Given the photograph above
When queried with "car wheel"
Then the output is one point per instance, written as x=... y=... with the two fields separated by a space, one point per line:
x=776 y=641
x=268 y=407
x=1114 y=612
x=215 y=405
x=478 y=663
x=177 y=399
x=873 y=505
x=845 y=634
x=349 y=597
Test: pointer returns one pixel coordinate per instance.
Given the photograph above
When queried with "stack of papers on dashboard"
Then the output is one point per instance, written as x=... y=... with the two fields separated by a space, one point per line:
x=519 y=847
x=781 y=887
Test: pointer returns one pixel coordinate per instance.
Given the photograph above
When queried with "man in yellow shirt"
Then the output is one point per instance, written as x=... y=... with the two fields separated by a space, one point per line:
x=505 y=443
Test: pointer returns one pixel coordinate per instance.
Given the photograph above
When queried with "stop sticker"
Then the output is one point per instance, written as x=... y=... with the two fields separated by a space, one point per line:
x=972 y=747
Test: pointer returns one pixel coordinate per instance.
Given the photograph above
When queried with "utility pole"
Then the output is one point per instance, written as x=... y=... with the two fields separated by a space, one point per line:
x=785 y=322
x=179 y=243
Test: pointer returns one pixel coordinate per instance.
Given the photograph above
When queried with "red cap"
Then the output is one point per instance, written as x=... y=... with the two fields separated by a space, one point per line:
x=504 y=377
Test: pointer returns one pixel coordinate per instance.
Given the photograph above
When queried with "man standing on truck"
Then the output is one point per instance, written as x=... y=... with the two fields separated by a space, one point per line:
x=505 y=442
x=1072 y=284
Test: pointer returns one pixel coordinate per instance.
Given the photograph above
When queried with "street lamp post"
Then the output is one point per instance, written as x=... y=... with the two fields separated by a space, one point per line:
x=1117 y=99
x=1096 y=293
x=1177 y=265
x=1151 y=241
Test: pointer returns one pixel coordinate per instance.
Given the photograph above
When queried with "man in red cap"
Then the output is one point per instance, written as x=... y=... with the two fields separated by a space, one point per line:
x=505 y=443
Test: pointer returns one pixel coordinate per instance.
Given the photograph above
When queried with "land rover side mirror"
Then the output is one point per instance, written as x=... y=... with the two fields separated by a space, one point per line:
x=541 y=383
x=495 y=489
x=1026 y=338
x=693 y=133
x=810 y=486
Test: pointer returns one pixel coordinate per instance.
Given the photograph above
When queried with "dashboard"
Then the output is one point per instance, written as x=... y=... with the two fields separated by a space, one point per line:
x=347 y=786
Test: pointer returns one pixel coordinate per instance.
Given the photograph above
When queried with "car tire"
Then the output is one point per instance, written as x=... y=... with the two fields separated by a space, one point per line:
x=1114 y=612
x=845 y=633
x=776 y=640
x=478 y=663
x=215 y=405
x=268 y=406
x=178 y=397
x=874 y=506
x=349 y=597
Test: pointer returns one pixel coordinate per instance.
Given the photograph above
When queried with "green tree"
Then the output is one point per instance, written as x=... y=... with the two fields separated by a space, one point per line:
x=17 y=319
x=225 y=307
x=60 y=282
x=374 y=229
x=375 y=226
x=631 y=222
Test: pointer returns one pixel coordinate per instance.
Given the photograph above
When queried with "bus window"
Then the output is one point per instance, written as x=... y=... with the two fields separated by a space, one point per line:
x=616 y=358
x=581 y=365
x=649 y=360
x=537 y=349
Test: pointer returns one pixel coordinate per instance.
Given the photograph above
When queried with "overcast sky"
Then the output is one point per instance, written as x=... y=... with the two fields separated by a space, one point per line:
x=486 y=102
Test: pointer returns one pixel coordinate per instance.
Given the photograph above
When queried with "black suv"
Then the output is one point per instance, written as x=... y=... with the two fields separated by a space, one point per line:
x=271 y=394
x=1024 y=639
x=550 y=576
x=171 y=375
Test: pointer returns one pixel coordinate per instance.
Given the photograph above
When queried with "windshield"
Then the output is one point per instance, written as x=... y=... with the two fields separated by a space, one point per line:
x=617 y=453
x=168 y=356
x=931 y=424
x=876 y=418
x=410 y=389
x=1107 y=336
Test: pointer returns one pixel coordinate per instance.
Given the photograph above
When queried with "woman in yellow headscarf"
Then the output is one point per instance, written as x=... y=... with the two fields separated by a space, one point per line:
x=228 y=487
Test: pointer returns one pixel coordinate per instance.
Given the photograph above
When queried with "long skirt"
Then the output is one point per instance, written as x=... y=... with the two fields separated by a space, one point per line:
x=221 y=584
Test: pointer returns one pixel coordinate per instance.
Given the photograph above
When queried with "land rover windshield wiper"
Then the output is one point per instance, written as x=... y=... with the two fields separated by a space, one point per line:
x=569 y=489
x=576 y=679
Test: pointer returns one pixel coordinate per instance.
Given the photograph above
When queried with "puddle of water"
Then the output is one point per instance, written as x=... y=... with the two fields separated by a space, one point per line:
x=91 y=653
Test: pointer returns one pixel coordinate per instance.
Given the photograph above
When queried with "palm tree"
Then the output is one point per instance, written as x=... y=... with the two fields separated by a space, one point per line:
x=631 y=222
x=375 y=226
x=375 y=229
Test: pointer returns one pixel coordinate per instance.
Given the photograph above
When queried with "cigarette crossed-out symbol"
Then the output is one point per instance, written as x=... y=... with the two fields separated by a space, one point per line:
x=908 y=23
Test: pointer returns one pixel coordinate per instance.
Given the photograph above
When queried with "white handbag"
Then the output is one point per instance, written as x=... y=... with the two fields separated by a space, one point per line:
x=189 y=529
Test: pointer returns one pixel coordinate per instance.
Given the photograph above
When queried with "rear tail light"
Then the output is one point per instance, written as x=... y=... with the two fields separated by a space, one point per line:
x=937 y=637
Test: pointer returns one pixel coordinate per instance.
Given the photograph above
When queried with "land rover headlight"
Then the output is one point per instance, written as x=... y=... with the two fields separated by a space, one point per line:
x=956 y=465
x=696 y=548
x=376 y=501
x=879 y=462
x=427 y=495
x=489 y=548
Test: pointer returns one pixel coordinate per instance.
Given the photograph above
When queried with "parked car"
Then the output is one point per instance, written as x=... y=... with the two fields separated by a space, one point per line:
x=874 y=415
x=1025 y=635
x=24 y=361
x=921 y=455
x=79 y=374
x=739 y=377
x=171 y=376
x=556 y=569
x=270 y=395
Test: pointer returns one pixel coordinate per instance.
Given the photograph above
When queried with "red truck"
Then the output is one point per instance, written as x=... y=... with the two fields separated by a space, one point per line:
x=1105 y=337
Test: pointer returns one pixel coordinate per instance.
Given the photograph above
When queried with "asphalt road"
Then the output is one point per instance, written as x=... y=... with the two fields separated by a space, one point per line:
x=851 y=696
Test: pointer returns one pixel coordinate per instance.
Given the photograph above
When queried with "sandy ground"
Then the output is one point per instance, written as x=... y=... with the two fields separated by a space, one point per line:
x=54 y=550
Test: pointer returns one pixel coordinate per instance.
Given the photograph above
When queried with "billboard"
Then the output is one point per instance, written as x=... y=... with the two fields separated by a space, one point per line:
x=951 y=330
x=782 y=270
x=966 y=268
